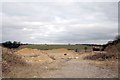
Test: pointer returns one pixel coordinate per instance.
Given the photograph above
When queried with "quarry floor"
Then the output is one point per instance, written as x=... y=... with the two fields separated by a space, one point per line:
x=71 y=65
x=80 y=69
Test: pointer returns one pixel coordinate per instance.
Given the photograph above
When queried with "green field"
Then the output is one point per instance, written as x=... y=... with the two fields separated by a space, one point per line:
x=49 y=47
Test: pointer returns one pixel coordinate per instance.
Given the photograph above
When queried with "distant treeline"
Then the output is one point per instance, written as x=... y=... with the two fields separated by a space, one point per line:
x=91 y=44
x=16 y=44
x=10 y=44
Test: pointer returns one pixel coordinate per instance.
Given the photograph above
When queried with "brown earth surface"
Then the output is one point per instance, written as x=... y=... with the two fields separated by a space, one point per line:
x=61 y=63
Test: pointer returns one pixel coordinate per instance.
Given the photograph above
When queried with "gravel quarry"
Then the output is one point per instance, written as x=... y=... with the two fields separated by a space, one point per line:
x=60 y=63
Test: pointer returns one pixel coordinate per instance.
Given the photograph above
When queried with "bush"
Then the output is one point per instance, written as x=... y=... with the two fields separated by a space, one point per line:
x=9 y=44
x=111 y=43
x=101 y=56
x=85 y=48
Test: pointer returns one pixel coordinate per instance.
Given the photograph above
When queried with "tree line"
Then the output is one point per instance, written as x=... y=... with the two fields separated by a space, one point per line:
x=9 y=44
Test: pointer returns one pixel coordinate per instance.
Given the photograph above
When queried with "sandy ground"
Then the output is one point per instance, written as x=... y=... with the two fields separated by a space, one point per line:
x=59 y=63
x=80 y=69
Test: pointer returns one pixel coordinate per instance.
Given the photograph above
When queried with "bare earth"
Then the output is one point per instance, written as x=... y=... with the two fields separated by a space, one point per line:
x=54 y=64
x=80 y=69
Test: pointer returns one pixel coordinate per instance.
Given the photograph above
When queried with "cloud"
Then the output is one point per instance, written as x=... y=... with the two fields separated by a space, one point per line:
x=51 y=22
x=65 y=1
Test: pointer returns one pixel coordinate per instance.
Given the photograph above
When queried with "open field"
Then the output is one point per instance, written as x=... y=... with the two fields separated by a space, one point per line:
x=48 y=47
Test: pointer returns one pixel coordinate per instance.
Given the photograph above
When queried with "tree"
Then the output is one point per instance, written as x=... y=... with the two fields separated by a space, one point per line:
x=10 y=44
x=85 y=48
x=110 y=43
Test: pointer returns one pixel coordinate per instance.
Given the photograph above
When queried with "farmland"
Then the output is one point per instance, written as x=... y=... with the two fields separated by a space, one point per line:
x=49 y=47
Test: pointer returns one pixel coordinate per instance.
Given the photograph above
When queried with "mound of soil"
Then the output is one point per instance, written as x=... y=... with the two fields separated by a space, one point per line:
x=33 y=55
x=113 y=49
x=100 y=56
x=28 y=51
x=42 y=58
x=62 y=53
x=10 y=60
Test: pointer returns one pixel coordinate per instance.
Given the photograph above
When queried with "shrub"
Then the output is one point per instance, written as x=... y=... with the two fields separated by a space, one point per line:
x=9 y=44
x=85 y=48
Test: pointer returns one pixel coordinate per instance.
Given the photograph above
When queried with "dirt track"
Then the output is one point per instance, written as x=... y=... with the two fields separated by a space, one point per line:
x=80 y=69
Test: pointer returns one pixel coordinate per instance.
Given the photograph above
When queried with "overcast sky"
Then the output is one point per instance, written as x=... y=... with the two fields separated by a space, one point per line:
x=59 y=22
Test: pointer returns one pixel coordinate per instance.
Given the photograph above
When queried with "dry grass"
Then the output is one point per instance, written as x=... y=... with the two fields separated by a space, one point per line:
x=9 y=60
x=101 y=60
x=100 y=56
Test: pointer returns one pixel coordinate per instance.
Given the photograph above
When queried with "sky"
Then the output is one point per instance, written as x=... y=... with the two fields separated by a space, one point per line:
x=59 y=22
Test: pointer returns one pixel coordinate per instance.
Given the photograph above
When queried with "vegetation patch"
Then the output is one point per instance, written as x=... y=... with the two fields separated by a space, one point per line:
x=50 y=47
x=100 y=56
x=9 y=60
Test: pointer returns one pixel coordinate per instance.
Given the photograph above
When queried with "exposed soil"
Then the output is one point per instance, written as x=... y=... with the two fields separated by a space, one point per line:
x=81 y=69
x=59 y=63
